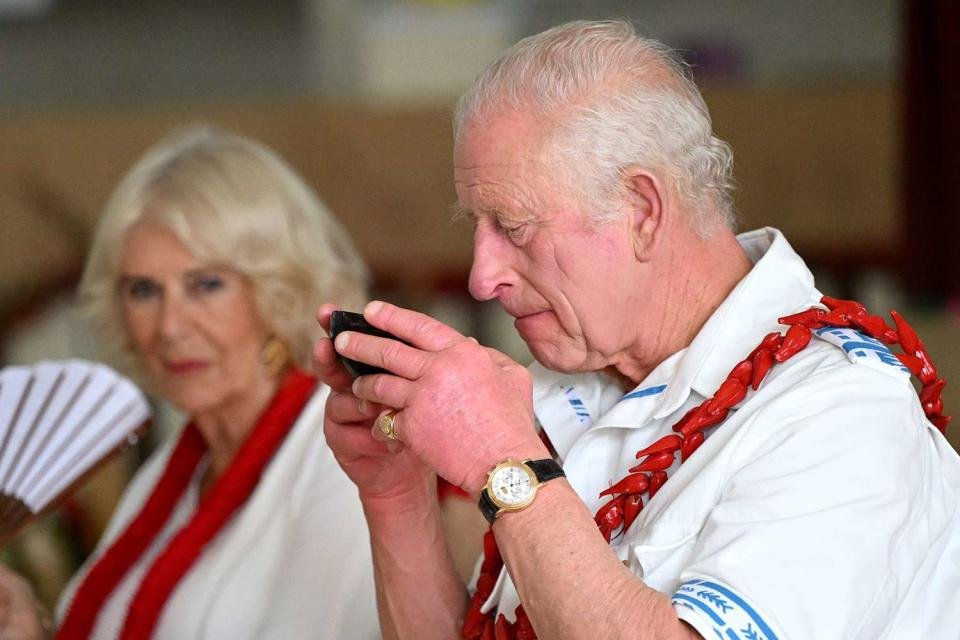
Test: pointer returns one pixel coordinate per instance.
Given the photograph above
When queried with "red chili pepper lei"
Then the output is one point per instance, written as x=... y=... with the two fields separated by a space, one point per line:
x=731 y=392
x=656 y=462
x=743 y=372
x=646 y=478
x=522 y=626
x=503 y=630
x=762 y=361
x=657 y=478
x=810 y=318
x=669 y=443
x=795 y=341
x=632 y=483
x=690 y=444
x=632 y=506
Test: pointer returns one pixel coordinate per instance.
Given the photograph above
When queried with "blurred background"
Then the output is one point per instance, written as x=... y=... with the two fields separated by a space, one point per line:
x=842 y=115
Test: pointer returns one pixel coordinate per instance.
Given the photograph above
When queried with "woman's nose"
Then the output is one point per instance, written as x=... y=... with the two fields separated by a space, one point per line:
x=173 y=317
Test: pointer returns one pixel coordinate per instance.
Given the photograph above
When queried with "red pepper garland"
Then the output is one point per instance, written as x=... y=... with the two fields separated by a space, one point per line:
x=647 y=477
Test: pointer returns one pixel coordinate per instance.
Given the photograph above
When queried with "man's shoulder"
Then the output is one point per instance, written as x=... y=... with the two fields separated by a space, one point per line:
x=863 y=350
x=843 y=390
x=849 y=363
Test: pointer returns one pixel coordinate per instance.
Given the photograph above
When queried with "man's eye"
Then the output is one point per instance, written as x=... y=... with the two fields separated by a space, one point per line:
x=140 y=289
x=512 y=230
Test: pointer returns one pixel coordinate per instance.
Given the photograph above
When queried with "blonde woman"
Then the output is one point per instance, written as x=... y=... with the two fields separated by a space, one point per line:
x=206 y=268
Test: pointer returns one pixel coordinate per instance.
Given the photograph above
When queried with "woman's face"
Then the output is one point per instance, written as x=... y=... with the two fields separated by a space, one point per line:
x=194 y=325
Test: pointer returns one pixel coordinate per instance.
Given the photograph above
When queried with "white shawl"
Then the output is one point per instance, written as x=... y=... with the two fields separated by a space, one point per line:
x=294 y=562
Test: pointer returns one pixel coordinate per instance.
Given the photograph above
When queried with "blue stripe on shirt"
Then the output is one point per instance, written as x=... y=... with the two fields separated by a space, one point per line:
x=649 y=391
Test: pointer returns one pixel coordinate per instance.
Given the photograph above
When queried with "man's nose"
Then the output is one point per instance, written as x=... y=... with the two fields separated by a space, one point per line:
x=490 y=271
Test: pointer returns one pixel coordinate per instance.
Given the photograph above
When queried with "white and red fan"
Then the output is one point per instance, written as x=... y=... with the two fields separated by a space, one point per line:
x=58 y=420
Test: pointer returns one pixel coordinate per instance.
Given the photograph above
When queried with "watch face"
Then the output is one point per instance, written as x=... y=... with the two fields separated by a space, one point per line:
x=511 y=485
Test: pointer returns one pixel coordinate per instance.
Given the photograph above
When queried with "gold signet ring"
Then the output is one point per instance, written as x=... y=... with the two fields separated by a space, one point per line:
x=385 y=424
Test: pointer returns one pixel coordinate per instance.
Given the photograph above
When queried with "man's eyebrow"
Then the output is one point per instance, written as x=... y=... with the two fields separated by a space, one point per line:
x=459 y=212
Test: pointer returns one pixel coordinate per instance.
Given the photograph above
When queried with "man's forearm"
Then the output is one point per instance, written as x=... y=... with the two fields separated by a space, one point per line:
x=571 y=584
x=419 y=594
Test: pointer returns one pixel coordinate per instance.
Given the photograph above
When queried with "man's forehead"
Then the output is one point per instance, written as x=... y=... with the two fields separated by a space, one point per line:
x=496 y=177
x=467 y=171
x=498 y=188
x=500 y=139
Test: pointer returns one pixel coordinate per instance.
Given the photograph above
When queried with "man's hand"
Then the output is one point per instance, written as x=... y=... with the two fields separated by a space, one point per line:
x=419 y=594
x=379 y=469
x=463 y=407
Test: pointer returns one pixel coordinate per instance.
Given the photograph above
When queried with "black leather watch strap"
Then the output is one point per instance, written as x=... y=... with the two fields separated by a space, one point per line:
x=545 y=469
x=487 y=508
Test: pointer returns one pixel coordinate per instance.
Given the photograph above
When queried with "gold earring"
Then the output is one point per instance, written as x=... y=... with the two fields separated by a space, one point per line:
x=275 y=355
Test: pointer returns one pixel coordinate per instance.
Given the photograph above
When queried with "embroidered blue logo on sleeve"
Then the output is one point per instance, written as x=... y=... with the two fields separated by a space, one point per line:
x=578 y=407
x=729 y=615
x=861 y=348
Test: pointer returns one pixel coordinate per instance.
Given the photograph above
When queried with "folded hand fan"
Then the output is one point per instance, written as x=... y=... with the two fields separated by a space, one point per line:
x=58 y=420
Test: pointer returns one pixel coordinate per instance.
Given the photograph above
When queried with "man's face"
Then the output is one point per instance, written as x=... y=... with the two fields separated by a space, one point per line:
x=569 y=284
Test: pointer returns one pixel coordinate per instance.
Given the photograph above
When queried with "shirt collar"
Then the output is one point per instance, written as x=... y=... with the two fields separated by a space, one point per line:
x=568 y=404
x=778 y=284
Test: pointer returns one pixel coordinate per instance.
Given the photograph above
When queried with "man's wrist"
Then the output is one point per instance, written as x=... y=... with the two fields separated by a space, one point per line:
x=513 y=485
x=419 y=494
x=530 y=451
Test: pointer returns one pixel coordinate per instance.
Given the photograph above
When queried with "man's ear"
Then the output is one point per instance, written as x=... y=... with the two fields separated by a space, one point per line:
x=646 y=209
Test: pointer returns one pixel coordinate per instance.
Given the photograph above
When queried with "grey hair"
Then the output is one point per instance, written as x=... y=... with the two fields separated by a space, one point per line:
x=614 y=99
x=237 y=204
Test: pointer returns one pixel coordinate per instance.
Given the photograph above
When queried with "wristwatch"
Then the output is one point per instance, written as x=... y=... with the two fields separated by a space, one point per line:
x=512 y=485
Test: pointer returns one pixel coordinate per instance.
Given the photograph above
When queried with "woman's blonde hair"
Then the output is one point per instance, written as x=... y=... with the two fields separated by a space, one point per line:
x=233 y=203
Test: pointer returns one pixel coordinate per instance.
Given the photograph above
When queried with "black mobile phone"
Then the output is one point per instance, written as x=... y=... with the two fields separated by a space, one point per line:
x=349 y=321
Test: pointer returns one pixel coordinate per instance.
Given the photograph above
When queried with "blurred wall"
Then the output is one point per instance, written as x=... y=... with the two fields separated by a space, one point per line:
x=112 y=51
x=357 y=95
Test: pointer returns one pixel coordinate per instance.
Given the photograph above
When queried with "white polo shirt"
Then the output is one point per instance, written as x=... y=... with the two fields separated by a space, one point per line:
x=824 y=506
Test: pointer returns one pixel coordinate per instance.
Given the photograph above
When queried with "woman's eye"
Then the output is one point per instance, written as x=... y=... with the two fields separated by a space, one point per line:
x=141 y=289
x=208 y=284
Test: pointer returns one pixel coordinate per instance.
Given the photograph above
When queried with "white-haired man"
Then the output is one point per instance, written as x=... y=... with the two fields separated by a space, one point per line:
x=788 y=486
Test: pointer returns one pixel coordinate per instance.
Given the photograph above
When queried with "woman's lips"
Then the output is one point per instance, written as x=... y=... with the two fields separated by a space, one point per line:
x=183 y=367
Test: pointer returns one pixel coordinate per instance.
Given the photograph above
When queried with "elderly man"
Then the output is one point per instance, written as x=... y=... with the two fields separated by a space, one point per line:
x=756 y=482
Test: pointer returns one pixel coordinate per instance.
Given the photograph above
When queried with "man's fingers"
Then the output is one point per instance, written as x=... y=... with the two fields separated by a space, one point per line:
x=344 y=407
x=418 y=329
x=328 y=367
x=354 y=441
x=392 y=355
x=347 y=426
x=325 y=362
x=324 y=313
x=387 y=390
x=378 y=433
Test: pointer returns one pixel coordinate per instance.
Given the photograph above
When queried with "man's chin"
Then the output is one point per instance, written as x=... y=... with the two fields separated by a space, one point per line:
x=555 y=358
